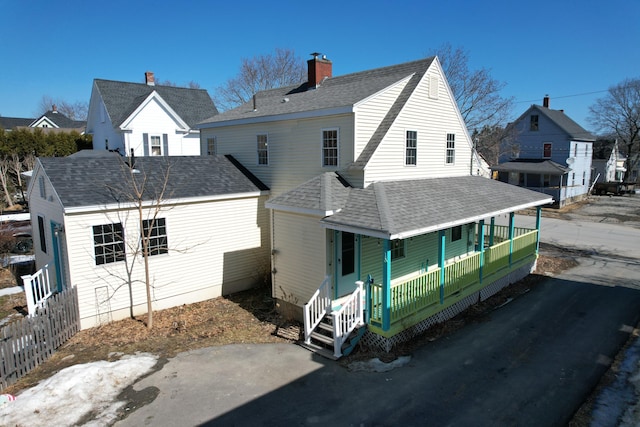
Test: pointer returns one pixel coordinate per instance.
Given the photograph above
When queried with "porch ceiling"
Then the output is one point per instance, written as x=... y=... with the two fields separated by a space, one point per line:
x=402 y=209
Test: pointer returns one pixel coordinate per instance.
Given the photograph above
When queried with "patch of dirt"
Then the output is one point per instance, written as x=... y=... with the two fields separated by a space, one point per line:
x=244 y=317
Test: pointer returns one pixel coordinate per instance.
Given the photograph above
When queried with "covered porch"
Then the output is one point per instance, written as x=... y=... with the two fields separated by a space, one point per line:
x=421 y=248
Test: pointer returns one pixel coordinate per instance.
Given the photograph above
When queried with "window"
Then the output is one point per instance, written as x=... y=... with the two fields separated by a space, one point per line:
x=43 y=242
x=43 y=187
x=411 y=148
x=211 y=146
x=263 y=149
x=546 y=150
x=575 y=150
x=155 y=146
x=584 y=177
x=330 y=147
x=456 y=233
x=156 y=231
x=573 y=178
x=533 y=122
x=108 y=243
x=451 y=148
x=546 y=180
x=397 y=249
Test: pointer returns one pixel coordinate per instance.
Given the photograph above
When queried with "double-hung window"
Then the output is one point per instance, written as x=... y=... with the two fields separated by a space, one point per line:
x=411 y=151
x=451 y=148
x=397 y=249
x=155 y=232
x=211 y=146
x=263 y=149
x=330 y=143
x=155 y=145
x=546 y=150
x=108 y=243
x=533 y=122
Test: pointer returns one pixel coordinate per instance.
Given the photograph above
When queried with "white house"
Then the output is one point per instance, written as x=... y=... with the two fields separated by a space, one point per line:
x=608 y=164
x=150 y=119
x=372 y=180
x=209 y=231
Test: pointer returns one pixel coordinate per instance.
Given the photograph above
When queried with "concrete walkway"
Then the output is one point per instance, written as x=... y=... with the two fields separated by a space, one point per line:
x=12 y=290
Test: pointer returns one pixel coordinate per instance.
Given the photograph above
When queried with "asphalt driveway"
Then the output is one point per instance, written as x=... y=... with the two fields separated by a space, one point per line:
x=531 y=362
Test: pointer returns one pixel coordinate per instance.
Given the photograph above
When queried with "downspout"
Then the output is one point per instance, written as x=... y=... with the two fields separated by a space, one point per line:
x=386 y=285
x=511 y=233
x=481 y=243
x=441 y=254
x=538 y=221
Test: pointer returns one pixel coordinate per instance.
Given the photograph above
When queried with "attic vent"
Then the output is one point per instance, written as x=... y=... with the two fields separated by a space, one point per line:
x=434 y=82
x=285 y=99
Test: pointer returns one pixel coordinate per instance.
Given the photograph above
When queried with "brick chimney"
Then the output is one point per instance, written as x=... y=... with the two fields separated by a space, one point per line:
x=319 y=69
x=149 y=79
x=545 y=101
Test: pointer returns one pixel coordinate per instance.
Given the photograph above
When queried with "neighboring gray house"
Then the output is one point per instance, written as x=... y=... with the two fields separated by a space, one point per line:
x=559 y=152
x=150 y=119
x=208 y=235
x=51 y=120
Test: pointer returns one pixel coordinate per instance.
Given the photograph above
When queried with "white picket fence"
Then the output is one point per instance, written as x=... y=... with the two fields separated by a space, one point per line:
x=38 y=288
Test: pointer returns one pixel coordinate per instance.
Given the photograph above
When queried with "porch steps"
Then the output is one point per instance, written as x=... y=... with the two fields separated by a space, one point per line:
x=322 y=340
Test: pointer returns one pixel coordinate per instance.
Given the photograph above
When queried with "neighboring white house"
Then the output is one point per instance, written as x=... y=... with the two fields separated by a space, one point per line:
x=52 y=120
x=209 y=235
x=150 y=119
x=608 y=164
x=371 y=177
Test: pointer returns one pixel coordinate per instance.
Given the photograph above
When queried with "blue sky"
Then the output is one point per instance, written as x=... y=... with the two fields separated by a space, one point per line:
x=572 y=50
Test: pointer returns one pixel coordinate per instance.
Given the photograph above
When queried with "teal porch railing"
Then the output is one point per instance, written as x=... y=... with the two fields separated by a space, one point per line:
x=418 y=298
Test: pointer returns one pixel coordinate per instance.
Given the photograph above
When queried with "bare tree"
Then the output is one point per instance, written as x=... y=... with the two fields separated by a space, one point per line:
x=278 y=69
x=618 y=114
x=476 y=92
x=5 y=168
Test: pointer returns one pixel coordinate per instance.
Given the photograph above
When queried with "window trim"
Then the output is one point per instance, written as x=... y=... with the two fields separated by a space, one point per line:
x=398 y=249
x=210 y=145
x=450 y=153
x=118 y=249
x=158 y=248
x=264 y=150
x=324 y=149
x=151 y=146
x=411 y=152
x=534 y=122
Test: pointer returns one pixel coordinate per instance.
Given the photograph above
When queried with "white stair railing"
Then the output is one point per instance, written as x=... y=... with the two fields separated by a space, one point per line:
x=348 y=317
x=37 y=288
x=316 y=308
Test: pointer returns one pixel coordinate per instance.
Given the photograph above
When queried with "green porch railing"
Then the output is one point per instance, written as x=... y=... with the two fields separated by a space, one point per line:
x=501 y=232
x=418 y=298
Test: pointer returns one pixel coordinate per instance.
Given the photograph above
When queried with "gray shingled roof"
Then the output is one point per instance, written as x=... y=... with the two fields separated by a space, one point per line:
x=574 y=131
x=9 y=123
x=320 y=195
x=62 y=121
x=536 y=166
x=104 y=180
x=401 y=209
x=122 y=98
x=332 y=93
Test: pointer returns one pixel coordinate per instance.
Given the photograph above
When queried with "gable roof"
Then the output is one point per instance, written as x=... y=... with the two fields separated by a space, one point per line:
x=9 y=123
x=121 y=99
x=321 y=195
x=534 y=166
x=333 y=95
x=105 y=179
x=59 y=120
x=402 y=209
x=564 y=122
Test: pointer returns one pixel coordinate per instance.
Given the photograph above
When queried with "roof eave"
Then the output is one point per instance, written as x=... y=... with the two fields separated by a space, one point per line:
x=278 y=117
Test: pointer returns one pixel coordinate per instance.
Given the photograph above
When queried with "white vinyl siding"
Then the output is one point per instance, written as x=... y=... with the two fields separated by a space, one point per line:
x=300 y=256
x=294 y=148
x=432 y=119
x=234 y=261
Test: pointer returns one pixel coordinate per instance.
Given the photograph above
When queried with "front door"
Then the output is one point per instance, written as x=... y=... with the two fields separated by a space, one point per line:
x=348 y=262
x=56 y=239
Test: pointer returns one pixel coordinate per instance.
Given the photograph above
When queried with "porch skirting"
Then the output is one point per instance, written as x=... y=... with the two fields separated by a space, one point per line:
x=372 y=340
